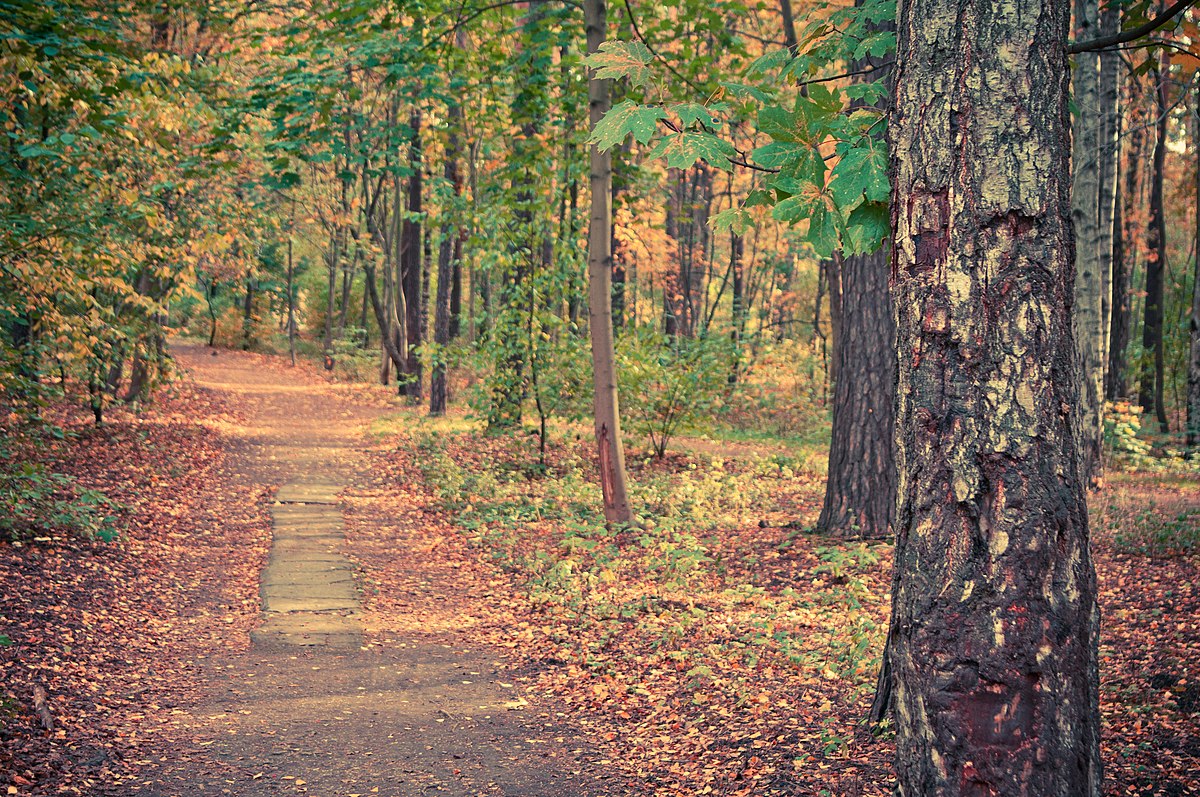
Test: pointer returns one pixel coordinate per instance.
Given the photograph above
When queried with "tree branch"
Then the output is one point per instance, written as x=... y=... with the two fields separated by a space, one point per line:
x=1129 y=35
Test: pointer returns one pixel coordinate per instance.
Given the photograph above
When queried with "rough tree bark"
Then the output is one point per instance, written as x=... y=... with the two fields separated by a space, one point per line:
x=609 y=446
x=860 y=496
x=994 y=626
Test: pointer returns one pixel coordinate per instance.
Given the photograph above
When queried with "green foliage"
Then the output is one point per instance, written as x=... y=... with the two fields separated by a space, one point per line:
x=1159 y=533
x=665 y=383
x=35 y=502
x=842 y=209
x=618 y=59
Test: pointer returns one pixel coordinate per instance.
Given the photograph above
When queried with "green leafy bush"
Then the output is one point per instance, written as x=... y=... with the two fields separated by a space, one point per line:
x=668 y=383
x=35 y=501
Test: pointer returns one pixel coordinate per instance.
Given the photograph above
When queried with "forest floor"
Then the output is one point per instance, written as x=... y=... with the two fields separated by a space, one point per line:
x=510 y=645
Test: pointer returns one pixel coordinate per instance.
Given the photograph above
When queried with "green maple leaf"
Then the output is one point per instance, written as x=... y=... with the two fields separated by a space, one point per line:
x=618 y=59
x=626 y=118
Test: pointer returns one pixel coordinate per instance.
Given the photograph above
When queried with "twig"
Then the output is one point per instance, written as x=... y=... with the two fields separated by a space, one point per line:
x=1129 y=35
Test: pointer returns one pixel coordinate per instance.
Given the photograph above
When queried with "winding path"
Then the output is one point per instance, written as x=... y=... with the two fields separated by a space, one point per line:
x=309 y=708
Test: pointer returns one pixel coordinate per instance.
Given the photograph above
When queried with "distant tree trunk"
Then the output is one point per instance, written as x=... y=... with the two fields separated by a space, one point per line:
x=1125 y=237
x=609 y=446
x=210 y=292
x=1193 y=394
x=456 y=288
x=670 y=313
x=510 y=378
x=291 y=294
x=1093 y=242
x=445 y=272
x=332 y=261
x=833 y=286
x=994 y=621
x=410 y=265
x=789 y=26
x=248 y=315
x=1110 y=167
x=1153 y=377
x=737 y=251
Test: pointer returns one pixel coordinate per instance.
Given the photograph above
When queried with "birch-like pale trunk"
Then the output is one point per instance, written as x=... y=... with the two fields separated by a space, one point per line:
x=1093 y=269
x=994 y=622
x=609 y=446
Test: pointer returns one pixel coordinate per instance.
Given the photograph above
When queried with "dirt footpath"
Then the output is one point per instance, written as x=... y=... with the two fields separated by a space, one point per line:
x=322 y=703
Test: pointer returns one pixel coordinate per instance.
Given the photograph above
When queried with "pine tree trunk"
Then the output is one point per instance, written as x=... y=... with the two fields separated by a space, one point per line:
x=994 y=624
x=737 y=251
x=609 y=446
x=860 y=492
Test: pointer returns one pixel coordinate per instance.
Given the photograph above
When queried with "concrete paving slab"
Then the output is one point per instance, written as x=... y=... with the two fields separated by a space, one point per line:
x=308 y=604
x=308 y=493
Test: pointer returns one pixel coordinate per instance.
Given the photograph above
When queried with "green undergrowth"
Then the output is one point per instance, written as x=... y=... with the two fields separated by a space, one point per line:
x=696 y=586
x=37 y=501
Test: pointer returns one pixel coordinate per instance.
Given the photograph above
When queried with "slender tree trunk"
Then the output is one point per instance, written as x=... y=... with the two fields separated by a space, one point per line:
x=1193 y=394
x=291 y=294
x=1150 y=389
x=248 y=315
x=609 y=446
x=737 y=250
x=410 y=265
x=1125 y=237
x=456 y=288
x=833 y=284
x=789 y=26
x=994 y=621
x=1093 y=242
x=445 y=273
x=210 y=294
x=332 y=261
x=1110 y=167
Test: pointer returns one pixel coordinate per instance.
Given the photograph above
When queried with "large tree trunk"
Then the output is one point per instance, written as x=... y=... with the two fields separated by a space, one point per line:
x=860 y=493
x=994 y=622
x=609 y=446
x=1150 y=387
x=1093 y=242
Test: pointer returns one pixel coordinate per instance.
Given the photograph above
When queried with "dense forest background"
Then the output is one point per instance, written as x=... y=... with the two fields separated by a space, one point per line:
x=402 y=190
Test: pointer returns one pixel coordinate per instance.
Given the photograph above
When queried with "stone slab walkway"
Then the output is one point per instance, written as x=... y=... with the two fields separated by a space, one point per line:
x=308 y=590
